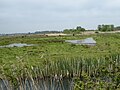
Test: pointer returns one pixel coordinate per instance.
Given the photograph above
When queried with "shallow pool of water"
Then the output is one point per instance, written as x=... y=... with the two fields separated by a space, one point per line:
x=87 y=41
x=17 y=45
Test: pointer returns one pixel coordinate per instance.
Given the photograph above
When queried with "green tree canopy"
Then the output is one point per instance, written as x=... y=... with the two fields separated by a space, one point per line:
x=105 y=27
x=78 y=30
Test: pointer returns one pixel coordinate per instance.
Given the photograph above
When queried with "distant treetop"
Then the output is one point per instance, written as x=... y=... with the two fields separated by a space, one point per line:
x=105 y=27
x=78 y=30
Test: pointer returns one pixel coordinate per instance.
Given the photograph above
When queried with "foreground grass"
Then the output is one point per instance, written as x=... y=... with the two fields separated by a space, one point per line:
x=102 y=73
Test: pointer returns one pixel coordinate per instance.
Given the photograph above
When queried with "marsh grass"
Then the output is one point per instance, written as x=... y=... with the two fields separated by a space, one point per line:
x=56 y=64
x=81 y=72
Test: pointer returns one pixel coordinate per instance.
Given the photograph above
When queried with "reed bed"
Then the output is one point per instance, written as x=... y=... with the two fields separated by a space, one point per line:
x=77 y=73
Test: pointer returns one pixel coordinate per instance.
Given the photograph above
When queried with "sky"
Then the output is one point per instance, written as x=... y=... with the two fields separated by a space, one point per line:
x=22 y=16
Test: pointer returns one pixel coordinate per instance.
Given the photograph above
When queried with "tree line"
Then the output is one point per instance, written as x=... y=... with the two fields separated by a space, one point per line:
x=78 y=30
x=102 y=28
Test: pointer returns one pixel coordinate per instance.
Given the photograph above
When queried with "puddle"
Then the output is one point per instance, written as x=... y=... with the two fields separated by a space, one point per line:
x=87 y=41
x=17 y=45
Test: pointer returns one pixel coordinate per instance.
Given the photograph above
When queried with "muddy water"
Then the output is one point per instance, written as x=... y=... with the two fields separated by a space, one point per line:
x=39 y=84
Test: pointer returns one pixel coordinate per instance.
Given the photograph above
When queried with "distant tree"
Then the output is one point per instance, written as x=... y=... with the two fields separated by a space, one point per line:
x=78 y=30
x=78 y=27
x=105 y=27
x=117 y=28
x=82 y=29
x=112 y=27
x=99 y=27
x=67 y=31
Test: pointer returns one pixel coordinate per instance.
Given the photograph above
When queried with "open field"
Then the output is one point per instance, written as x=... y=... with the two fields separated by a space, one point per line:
x=83 y=33
x=52 y=56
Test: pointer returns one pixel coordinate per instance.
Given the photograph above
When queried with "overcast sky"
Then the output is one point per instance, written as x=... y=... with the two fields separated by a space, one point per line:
x=39 y=15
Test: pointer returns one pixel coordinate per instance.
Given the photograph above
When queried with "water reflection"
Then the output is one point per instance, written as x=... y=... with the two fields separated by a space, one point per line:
x=87 y=41
x=39 y=84
x=17 y=45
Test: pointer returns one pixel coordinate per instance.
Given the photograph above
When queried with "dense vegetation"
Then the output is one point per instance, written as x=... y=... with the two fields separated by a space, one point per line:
x=117 y=28
x=90 y=67
x=106 y=28
x=78 y=30
x=46 y=32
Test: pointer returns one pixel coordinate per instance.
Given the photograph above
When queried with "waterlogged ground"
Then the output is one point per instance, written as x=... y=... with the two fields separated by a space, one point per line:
x=53 y=56
x=42 y=84
x=53 y=47
x=87 y=41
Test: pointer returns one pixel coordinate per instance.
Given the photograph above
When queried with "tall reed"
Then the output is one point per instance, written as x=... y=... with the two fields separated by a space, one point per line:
x=80 y=73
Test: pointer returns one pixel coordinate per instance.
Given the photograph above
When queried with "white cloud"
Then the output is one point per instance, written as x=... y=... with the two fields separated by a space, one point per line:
x=53 y=13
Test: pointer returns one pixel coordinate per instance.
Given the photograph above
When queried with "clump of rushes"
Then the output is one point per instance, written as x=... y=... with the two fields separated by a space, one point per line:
x=101 y=73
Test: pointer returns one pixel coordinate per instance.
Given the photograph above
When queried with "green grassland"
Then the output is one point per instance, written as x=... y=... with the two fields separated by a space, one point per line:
x=52 y=55
x=54 y=47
